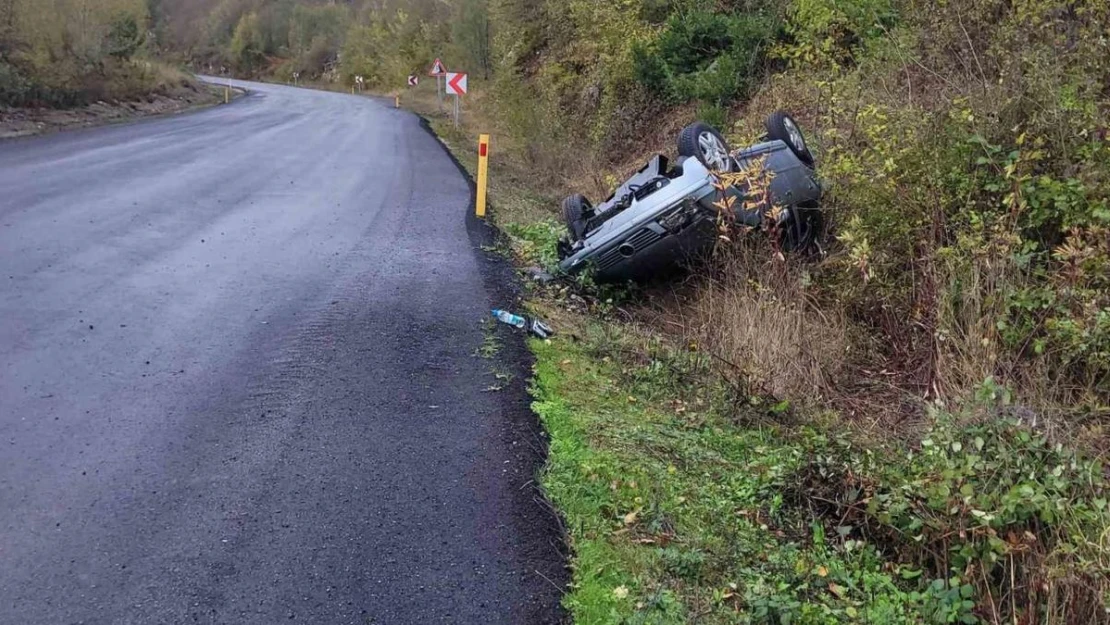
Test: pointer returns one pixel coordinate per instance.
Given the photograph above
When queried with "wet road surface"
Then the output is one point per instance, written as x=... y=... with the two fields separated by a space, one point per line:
x=238 y=381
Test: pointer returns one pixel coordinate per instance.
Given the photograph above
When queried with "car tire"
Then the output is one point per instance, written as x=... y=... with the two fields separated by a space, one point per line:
x=576 y=211
x=702 y=141
x=803 y=231
x=782 y=127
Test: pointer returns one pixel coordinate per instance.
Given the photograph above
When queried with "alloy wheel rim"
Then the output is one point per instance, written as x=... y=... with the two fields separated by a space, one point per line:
x=795 y=135
x=714 y=152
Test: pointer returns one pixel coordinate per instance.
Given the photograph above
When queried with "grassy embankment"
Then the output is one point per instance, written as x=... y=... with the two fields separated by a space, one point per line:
x=694 y=491
x=76 y=63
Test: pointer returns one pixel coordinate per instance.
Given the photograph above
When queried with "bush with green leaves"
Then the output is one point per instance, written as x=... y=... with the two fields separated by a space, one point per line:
x=836 y=29
x=124 y=36
x=982 y=507
x=68 y=53
x=247 y=44
x=706 y=55
x=969 y=189
x=14 y=86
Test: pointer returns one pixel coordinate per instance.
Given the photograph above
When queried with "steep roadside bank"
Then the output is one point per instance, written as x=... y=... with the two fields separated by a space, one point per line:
x=22 y=122
x=690 y=495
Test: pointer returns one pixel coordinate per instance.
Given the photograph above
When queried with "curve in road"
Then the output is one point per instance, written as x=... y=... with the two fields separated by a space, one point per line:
x=238 y=383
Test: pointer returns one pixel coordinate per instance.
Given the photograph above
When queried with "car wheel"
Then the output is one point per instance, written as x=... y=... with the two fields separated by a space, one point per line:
x=703 y=142
x=782 y=127
x=802 y=232
x=576 y=210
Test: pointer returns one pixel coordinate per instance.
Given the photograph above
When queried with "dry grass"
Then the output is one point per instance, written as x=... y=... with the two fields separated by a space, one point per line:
x=757 y=316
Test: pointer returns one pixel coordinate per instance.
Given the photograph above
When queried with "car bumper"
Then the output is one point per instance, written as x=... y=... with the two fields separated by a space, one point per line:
x=650 y=250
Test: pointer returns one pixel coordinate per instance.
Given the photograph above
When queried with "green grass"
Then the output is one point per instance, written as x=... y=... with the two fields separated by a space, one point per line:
x=675 y=513
x=681 y=507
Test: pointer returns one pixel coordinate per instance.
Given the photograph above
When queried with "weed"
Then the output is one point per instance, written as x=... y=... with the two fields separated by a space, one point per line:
x=491 y=343
x=535 y=243
x=758 y=317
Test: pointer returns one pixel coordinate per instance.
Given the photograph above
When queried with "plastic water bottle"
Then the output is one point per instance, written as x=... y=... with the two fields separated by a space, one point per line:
x=509 y=318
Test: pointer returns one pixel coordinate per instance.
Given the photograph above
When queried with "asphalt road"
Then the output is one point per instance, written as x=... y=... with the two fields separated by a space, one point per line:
x=238 y=381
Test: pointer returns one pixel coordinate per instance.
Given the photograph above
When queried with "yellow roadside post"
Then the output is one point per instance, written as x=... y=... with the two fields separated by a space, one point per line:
x=397 y=104
x=227 y=94
x=483 y=174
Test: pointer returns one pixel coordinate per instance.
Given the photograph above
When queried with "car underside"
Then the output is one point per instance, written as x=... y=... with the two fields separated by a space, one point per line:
x=664 y=216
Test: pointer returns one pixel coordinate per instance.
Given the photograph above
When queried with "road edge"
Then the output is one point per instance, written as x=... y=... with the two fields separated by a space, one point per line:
x=502 y=281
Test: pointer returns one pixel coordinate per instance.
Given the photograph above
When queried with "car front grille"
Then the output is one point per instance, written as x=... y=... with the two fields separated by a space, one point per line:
x=643 y=238
x=639 y=241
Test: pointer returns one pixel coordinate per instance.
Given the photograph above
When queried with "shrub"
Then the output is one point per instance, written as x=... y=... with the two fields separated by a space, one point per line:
x=833 y=29
x=14 y=86
x=124 y=37
x=1006 y=523
x=969 y=191
x=705 y=55
x=247 y=44
x=67 y=53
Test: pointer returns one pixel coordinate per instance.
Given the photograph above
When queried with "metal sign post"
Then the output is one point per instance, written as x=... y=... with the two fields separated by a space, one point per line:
x=456 y=85
x=439 y=71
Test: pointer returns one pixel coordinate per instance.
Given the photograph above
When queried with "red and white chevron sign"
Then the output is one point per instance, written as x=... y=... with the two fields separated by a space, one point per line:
x=456 y=83
x=413 y=81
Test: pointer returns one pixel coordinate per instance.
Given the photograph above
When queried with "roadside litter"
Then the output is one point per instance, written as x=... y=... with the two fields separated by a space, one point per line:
x=531 y=324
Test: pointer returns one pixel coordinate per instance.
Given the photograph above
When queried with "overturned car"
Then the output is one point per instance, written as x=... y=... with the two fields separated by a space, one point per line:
x=665 y=215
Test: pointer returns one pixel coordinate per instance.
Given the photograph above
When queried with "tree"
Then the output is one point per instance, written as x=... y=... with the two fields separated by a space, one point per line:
x=247 y=45
x=124 y=36
x=471 y=34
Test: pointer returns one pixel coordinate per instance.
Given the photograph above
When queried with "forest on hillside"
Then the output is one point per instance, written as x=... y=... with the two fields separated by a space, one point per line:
x=72 y=52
